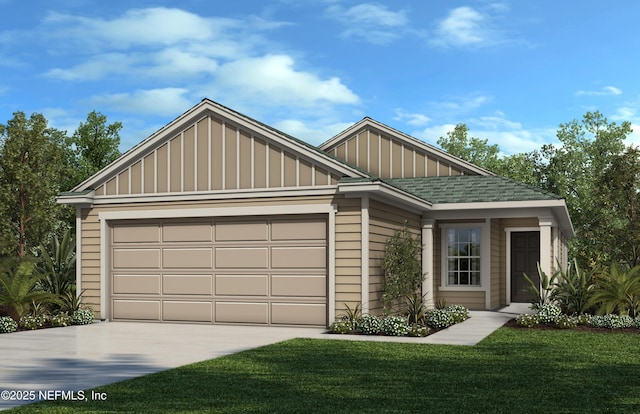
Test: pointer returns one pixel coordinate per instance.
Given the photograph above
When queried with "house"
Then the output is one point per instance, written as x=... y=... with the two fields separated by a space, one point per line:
x=218 y=218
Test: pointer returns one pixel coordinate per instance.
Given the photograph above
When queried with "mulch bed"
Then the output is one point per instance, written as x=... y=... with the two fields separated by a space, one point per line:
x=580 y=328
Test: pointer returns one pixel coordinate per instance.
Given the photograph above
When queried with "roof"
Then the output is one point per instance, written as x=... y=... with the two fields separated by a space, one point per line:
x=470 y=189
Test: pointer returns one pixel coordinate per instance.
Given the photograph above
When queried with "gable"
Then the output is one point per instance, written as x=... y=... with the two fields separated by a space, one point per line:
x=211 y=148
x=389 y=153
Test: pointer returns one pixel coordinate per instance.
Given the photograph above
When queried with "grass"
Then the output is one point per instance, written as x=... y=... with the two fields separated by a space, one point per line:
x=513 y=370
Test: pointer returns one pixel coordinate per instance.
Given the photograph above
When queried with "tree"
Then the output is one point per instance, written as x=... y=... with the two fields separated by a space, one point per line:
x=96 y=144
x=475 y=150
x=616 y=227
x=33 y=163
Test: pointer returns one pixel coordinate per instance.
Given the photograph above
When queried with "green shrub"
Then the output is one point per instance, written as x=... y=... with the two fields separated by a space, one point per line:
x=626 y=321
x=566 y=322
x=370 y=325
x=7 y=324
x=549 y=313
x=418 y=330
x=439 y=318
x=618 y=291
x=611 y=321
x=32 y=322
x=340 y=327
x=584 y=319
x=574 y=288
x=636 y=322
x=352 y=316
x=528 y=320
x=458 y=312
x=61 y=319
x=394 y=326
x=416 y=311
x=82 y=316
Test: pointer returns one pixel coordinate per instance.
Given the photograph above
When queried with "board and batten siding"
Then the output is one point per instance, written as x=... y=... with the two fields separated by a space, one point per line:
x=384 y=220
x=212 y=155
x=390 y=157
x=347 y=269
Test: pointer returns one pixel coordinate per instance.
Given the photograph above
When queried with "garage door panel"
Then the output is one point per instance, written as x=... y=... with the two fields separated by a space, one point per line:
x=136 y=258
x=193 y=258
x=242 y=312
x=242 y=285
x=242 y=258
x=187 y=284
x=296 y=285
x=298 y=313
x=136 y=284
x=298 y=230
x=298 y=257
x=197 y=232
x=136 y=309
x=148 y=233
x=242 y=231
x=187 y=311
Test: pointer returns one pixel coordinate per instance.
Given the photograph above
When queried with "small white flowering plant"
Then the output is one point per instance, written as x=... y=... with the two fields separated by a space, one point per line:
x=7 y=324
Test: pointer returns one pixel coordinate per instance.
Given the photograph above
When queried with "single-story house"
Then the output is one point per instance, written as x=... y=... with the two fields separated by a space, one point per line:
x=218 y=218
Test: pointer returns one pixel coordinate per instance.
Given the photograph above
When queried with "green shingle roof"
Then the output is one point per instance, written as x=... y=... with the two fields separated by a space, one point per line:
x=469 y=189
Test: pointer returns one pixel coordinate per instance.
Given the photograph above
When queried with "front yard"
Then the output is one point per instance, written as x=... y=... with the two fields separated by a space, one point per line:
x=513 y=370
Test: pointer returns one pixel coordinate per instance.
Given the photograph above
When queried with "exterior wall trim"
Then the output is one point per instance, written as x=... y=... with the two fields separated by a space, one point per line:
x=106 y=217
x=427 y=260
x=364 y=254
x=508 y=231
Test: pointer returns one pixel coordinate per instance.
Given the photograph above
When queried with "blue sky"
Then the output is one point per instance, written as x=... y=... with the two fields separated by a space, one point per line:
x=512 y=70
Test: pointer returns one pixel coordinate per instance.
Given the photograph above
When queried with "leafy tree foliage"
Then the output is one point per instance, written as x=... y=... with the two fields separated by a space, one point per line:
x=96 y=143
x=475 y=150
x=32 y=165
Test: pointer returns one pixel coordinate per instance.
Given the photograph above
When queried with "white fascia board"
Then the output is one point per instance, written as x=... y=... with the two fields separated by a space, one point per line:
x=218 y=195
x=385 y=192
x=498 y=205
x=84 y=200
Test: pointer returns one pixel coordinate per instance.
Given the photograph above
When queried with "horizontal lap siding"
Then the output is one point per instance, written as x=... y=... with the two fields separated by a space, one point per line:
x=348 y=255
x=90 y=259
x=384 y=220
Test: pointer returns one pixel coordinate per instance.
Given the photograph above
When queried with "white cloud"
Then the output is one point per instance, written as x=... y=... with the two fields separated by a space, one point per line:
x=411 y=119
x=607 y=90
x=164 y=101
x=312 y=131
x=372 y=23
x=470 y=27
x=273 y=78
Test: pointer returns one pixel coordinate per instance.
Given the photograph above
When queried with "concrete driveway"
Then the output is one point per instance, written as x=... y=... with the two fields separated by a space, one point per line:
x=81 y=357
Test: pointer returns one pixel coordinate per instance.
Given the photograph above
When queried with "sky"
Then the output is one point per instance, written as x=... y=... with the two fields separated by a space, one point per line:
x=513 y=71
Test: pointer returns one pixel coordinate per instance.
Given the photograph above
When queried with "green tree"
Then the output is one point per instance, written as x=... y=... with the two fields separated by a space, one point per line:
x=475 y=150
x=33 y=163
x=96 y=144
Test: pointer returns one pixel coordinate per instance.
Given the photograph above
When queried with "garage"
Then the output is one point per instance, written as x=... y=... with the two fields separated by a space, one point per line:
x=257 y=270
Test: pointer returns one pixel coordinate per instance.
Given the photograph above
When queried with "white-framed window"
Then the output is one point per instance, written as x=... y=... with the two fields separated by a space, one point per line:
x=463 y=256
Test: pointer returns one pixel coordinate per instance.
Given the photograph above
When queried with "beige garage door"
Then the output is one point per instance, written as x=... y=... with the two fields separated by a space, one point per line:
x=270 y=271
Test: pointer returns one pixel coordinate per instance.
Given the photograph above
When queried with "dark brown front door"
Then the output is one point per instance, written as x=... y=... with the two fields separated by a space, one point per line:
x=525 y=255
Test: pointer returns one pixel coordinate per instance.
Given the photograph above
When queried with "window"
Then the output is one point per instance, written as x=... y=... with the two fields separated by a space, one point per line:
x=463 y=256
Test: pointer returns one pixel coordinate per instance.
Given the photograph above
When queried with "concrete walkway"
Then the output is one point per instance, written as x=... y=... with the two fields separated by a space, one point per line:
x=82 y=357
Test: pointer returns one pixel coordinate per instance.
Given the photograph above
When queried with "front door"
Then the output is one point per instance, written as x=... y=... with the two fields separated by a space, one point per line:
x=525 y=255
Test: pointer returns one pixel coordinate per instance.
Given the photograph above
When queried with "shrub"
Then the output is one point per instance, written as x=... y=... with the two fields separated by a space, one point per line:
x=18 y=288
x=418 y=330
x=542 y=291
x=636 y=322
x=416 y=312
x=32 y=322
x=394 y=326
x=584 y=319
x=352 y=315
x=82 y=316
x=340 y=327
x=573 y=288
x=61 y=319
x=402 y=268
x=618 y=291
x=58 y=264
x=626 y=321
x=458 y=312
x=566 y=322
x=549 y=313
x=7 y=324
x=439 y=318
x=528 y=320
x=370 y=325
x=611 y=321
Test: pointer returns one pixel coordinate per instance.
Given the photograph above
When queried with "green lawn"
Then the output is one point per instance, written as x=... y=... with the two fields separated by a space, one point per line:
x=512 y=371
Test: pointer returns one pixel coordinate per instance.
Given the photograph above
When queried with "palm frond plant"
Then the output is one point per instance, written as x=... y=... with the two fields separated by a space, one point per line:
x=58 y=264
x=18 y=289
x=617 y=291
x=543 y=293
x=573 y=288
x=416 y=311
x=352 y=315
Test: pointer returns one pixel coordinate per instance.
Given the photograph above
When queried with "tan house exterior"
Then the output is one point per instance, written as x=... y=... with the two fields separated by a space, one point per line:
x=218 y=218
